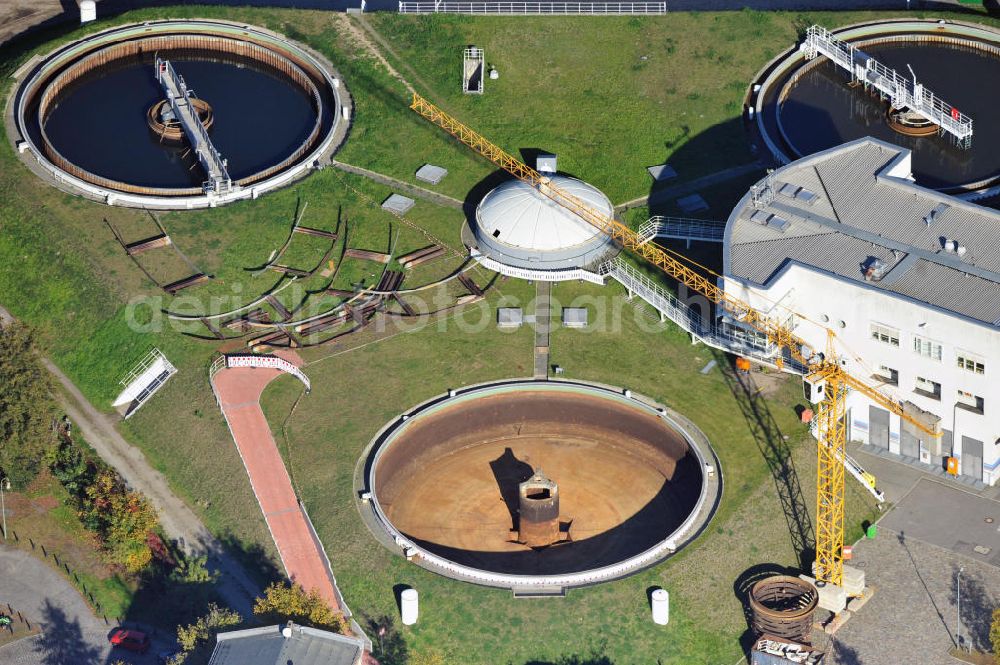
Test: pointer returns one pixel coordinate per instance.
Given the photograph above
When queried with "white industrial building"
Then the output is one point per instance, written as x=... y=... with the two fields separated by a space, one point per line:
x=906 y=277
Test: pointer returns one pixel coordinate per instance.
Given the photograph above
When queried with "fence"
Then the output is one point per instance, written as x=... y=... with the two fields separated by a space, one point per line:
x=536 y=8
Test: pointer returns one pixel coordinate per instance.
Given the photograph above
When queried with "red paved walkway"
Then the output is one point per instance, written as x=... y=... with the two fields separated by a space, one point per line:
x=239 y=390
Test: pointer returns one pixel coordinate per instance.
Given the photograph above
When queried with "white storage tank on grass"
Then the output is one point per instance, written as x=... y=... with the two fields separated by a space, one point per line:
x=661 y=607
x=408 y=606
x=88 y=11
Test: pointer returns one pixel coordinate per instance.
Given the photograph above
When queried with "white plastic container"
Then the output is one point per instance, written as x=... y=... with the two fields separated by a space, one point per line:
x=661 y=607
x=88 y=11
x=408 y=606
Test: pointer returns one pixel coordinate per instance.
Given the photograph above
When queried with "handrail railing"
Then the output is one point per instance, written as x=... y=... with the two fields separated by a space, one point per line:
x=536 y=8
x=683 y=228
x=902 y=92
x=177 y=92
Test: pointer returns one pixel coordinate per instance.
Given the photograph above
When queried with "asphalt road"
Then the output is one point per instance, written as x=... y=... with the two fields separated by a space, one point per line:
x=71 y=634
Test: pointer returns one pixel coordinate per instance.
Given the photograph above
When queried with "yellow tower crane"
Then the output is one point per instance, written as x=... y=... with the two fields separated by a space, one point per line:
x=827 y=382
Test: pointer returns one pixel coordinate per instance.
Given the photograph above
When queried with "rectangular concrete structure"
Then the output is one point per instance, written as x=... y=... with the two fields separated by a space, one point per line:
x=432 y=174
x=398 y=204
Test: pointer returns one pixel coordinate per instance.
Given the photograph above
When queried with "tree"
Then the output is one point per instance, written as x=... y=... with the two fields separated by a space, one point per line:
x=26 y=406
x=292 y=603
x=192 y=570
x=198 y=639
x=995 y=635
x=121 y=517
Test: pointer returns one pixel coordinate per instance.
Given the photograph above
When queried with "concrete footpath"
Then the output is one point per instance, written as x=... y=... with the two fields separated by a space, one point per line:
x=238 y=391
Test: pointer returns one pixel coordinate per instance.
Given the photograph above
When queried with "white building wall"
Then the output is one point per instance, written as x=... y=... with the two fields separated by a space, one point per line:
x=850 y=308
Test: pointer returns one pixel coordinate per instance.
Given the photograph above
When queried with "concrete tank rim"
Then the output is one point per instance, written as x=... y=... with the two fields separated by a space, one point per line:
x=687 y=533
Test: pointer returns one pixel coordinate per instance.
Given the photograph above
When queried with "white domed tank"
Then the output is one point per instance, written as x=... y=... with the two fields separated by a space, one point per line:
x=519 y=227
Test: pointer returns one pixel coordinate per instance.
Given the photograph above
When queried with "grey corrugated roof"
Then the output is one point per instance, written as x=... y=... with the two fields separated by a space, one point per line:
x=267 y=646
x=860 y=211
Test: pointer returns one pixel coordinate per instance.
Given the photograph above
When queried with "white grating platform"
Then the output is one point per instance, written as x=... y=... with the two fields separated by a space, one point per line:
x=142 y=382
x=901 y=91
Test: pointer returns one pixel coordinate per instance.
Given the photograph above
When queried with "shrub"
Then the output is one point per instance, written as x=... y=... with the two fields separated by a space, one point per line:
x=292 y=603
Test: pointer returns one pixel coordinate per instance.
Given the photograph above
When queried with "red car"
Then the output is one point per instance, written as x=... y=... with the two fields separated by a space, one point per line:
x=130 y=640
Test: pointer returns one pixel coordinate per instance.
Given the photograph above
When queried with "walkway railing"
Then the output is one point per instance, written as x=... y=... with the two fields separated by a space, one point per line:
x=179 y=98
x=536 y=8
x=902 y=92
x=682 y=228
x=725 y=336
x=271 y=362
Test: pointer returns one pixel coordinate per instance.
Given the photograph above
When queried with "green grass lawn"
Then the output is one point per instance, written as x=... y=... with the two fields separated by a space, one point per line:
x=610 y=96
x=330 y=427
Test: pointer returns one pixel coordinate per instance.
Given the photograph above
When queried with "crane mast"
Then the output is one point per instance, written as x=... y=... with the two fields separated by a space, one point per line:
x=828 y=382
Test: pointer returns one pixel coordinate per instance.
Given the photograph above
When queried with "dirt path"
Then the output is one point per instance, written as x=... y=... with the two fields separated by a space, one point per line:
x=359 y=33
x=179 y=522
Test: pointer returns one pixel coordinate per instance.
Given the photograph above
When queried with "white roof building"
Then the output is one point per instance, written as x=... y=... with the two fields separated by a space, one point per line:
x=522 y=233
x=907 y=278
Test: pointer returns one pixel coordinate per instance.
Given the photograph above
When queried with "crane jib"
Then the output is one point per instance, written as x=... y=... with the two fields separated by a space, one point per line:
x=824 y=367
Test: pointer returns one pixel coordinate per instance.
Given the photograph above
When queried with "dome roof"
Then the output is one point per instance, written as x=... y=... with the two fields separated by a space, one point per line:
x=515 y=214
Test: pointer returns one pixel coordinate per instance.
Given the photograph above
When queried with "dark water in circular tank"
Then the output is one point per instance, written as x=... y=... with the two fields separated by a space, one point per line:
x=822 y=111
x=100 y=121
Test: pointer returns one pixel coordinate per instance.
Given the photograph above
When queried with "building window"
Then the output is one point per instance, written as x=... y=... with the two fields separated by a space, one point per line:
x=970 y=402
x=887 y=375
x=927 y=348
x=885 y=334
x=928 y=388
x=971 y=364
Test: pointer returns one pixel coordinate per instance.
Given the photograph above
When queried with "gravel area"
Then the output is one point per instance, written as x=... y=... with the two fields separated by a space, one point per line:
x=912 y=616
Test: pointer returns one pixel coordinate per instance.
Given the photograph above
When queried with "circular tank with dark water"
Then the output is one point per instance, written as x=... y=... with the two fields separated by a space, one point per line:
x=97 y=116
x=622 y=485
x=805 y=106
x=99 y=122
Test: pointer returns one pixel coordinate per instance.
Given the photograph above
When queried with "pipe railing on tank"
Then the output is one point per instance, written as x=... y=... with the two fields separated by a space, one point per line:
x=902 y=92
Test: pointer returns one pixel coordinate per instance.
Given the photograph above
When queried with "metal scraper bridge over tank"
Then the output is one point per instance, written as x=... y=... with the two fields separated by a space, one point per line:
x=125 y=156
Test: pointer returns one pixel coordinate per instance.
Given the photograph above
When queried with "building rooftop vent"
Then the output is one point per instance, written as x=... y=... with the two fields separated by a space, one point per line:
x=935 y=214
x=874 y=269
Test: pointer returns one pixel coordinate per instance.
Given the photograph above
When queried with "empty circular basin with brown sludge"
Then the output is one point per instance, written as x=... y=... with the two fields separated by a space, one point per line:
x=538 y=485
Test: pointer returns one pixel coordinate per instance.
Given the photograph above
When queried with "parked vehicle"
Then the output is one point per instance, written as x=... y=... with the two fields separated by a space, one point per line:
x=130 y=640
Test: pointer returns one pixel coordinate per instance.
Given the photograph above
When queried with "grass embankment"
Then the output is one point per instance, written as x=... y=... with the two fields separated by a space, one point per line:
x=575 y=86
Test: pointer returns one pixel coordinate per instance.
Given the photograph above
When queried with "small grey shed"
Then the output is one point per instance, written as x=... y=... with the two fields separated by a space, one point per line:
x=509 y=317
x=398 y=204
x=432 y=174
x=574 y=317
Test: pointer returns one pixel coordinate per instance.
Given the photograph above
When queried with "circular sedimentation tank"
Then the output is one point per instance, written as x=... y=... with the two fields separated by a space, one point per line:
x=624 y=485
x=93 y=116
x=805 y=106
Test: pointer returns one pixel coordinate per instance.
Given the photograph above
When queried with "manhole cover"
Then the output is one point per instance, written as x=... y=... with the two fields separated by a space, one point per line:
x=989 y=520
